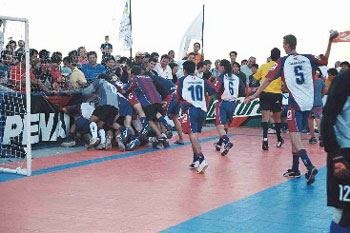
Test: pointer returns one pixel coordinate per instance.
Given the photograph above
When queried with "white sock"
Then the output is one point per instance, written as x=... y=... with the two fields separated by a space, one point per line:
x=102 y=135
x=93 y=129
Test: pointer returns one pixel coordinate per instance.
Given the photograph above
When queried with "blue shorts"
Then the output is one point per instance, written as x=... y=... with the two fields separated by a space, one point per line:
x=192 y=120
x=295 y=119
x=125 y=108
x=172 y=106
x=82 y=125
x=335 y=228
x=224 y=112
x=316 y=113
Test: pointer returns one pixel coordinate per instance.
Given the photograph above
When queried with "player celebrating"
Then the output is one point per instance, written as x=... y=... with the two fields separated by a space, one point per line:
x=297 y=70
x=191 y=91
x=228 y=93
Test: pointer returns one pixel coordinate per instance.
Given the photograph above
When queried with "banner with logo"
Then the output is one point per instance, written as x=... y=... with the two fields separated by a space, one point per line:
x=48 y=123
x=243 y=112
x=343 y=37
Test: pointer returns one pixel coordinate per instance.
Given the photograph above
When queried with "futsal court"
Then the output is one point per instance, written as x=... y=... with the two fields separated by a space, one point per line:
x=150 y=190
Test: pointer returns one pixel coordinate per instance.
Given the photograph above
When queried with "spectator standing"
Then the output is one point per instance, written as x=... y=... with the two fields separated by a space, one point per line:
x=316 y=112
x=82 y=56
x=77 y=78
x=163 y=69
x=332 y=73
x=106 y=48
x=198 y=56
x=233 y=56
x=139 y=60
x=171 y=55
x=247 y=69
x=92 y=69
x=215 y=71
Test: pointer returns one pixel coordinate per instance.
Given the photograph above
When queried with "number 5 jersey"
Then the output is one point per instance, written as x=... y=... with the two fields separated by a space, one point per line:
x=297 y=71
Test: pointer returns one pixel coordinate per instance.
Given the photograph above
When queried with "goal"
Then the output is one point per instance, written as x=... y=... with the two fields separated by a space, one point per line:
x=15 y=97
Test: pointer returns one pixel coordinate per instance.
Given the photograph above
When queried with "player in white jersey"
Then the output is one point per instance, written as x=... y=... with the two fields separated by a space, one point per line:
x=191 y=92
x=297 y=72
x=225 y=107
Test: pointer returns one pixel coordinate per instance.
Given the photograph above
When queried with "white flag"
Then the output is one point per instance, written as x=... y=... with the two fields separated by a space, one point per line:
x=194 y=31
x=125 y=29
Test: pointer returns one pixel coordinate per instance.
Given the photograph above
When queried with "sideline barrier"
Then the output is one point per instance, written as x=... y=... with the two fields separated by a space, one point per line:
x=48 y=123
x=245 y=114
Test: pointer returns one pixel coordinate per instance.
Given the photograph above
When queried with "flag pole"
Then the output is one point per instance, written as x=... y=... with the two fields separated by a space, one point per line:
x=203 y=35
x=130 y=28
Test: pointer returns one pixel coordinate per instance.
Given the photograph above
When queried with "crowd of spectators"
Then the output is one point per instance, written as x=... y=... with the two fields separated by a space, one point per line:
x=53 y=72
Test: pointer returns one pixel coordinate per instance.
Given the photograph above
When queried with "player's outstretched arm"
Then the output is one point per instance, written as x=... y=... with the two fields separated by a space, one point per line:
x=329 y=46
x=257 y=93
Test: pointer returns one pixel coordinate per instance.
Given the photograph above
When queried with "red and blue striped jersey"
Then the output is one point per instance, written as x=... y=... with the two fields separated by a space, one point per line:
x=144 y=90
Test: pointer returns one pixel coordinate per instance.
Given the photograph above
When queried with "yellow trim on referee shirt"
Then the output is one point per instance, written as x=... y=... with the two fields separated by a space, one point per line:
x=275 y=85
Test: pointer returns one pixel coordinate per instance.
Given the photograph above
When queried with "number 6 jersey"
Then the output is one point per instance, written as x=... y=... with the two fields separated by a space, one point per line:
x=229 y=87
x=297 y=71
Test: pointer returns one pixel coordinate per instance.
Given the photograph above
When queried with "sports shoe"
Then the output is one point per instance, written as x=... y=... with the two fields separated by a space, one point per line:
x=108 y=143
x=280 y=143
x=313 y=141
x=202 y=166
x=292 y=174
x=101 y=146
x=125 y=135
x=169 y=132
x=164 y=141
x=158 y=144
x=144 y=132
x=265 y=145
x=227 y=147
x=93 y=142
x=133 y=144
x=120 y=143
x=310 y=175
x=217 y=146
x=194 y=164
x=71 y=143
x=271 y=131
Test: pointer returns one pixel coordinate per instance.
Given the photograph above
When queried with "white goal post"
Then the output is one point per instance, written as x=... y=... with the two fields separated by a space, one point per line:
x=11 y=160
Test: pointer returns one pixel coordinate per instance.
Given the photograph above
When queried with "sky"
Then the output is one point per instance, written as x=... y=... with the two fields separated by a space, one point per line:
x=252 y=28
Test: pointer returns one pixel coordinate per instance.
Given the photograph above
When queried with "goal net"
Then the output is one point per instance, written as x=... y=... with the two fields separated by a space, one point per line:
x=15 y=148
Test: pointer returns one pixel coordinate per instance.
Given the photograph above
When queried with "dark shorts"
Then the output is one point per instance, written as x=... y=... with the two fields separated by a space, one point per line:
x=338 y=191
x=152 y=110
x=82 y=125
x=125 y=108
x=271 y=101
x=172 y=106
x=192 y=120
x=224 y=112
x=106 y=113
